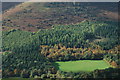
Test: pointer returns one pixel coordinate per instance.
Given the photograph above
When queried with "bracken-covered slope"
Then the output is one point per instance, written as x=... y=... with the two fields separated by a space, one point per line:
x=35 y=16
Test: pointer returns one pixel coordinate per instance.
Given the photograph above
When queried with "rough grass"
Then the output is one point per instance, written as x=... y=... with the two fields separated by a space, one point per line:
x=82 y=65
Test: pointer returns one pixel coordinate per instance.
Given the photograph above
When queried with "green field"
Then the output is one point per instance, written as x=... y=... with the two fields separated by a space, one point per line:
x=82 y=65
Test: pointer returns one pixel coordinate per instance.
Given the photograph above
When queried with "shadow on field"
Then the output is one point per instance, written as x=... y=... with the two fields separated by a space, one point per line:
x=56 y=65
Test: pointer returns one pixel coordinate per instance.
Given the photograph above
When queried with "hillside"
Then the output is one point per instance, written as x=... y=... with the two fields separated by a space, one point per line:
x=31 y=54
x=41 y=40
x=35 y=16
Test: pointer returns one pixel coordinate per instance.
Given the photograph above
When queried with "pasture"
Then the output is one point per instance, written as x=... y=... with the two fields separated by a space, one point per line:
x=82 y=65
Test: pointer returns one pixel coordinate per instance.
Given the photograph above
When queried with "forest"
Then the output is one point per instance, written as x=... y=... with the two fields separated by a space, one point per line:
x=32 y=54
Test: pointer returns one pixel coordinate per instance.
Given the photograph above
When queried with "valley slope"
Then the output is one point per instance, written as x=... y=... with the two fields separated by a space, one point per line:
x=35 y=16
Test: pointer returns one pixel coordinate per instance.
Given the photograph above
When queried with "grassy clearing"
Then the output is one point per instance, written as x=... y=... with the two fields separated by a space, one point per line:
x=82 y=65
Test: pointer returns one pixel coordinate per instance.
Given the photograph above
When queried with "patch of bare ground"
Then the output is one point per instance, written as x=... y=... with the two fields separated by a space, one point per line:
x=18 y=8
x=110 y=15
x=101 y=40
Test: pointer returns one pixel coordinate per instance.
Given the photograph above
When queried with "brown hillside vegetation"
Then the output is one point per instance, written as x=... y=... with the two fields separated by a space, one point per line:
x=35 y=16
